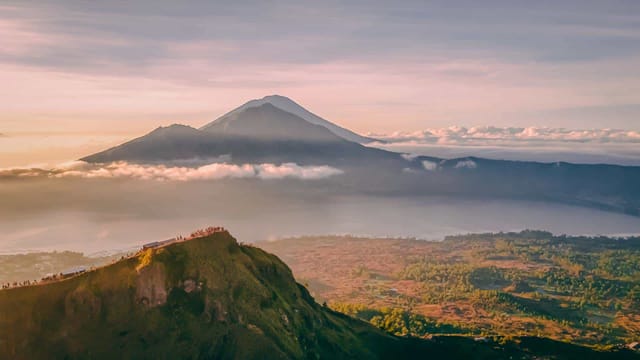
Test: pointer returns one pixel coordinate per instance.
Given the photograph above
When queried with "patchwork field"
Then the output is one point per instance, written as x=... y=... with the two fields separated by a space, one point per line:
x=575 y=289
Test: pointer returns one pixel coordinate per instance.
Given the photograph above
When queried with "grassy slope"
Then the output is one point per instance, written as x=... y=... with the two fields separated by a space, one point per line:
x=247 y=306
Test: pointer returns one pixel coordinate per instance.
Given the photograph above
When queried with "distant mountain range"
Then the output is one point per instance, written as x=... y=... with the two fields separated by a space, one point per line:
x=275 y=129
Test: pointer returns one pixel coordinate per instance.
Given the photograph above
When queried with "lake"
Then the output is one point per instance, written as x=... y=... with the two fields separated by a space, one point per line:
x=94 y=217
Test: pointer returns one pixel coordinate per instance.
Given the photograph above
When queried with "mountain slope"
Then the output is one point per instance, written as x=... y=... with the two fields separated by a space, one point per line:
x=206 y=298
x=255 y=135
x=290 y=106
x=162 y=144
x=269 y=123
x=608 y=187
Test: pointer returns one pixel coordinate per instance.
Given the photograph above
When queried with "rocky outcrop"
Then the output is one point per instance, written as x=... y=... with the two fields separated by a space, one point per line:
x=151 y=285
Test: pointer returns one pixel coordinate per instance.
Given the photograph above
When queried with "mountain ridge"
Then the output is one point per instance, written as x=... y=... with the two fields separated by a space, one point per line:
x=257 y=134
x=207 y=297
x=210 y=297
x=286 y=104
x=269 y=122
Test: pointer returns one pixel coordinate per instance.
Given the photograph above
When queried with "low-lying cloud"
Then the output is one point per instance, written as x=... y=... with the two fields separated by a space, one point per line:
x=429 y=165
x=457 y=135
x=466 y=164
x=124 y=170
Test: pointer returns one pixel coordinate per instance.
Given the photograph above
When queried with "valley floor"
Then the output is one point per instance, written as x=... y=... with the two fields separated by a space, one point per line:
x=579 y=290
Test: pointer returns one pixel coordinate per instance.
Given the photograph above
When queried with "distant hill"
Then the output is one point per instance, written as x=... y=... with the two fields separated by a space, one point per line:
x=211 y=298
x=32 y=266
x=290 y=106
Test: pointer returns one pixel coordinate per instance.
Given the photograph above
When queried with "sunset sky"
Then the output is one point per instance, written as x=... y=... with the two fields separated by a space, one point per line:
x=125 y=67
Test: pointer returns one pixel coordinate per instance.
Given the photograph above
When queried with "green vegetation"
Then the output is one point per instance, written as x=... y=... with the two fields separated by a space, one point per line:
x=211 y=298
x=205 y=298
x=579 y=282
x=583 y=290
x=399 y=322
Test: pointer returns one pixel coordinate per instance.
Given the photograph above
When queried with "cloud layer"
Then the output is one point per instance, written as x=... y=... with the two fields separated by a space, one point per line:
x=457 y=135
x=123 y=170
x=466 y=164
x=429 y=165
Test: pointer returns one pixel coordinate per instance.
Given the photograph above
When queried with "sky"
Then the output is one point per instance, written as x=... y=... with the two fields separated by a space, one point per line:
x=527 y=80
x=125 y=67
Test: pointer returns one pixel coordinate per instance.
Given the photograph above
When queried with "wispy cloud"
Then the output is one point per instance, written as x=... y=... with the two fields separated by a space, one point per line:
x=124 y=170
x=368 y=65
x=466 y=164
x=458 y=135
x=429 y=165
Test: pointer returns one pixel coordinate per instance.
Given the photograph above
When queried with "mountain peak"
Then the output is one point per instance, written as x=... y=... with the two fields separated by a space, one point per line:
x=269 y=122
x=276 y=97
x=174 y=129
x=288 y=105
x=176 y=126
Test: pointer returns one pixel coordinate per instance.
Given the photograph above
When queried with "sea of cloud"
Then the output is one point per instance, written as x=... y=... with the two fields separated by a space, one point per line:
x=543 y=144
x=124 y=170
x=456 y=135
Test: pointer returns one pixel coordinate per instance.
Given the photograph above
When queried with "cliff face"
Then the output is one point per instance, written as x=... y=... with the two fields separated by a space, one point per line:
x=205 y=298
